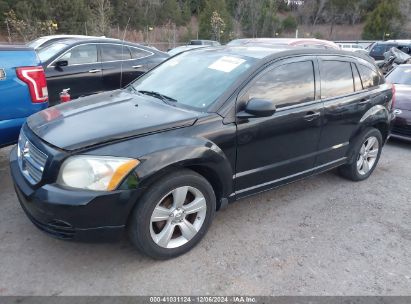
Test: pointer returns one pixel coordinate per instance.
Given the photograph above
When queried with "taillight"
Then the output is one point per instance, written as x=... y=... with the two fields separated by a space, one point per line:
x=393 y=97
x=35 y=78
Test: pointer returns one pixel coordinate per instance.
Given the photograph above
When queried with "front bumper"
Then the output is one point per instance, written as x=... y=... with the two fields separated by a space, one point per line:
x=73 y=214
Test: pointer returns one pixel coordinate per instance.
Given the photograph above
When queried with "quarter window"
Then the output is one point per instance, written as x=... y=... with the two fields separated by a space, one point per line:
x=286 y=85
x=337 y=79
x=357 y=79
x=82 y=54
x=114 y=52
x=369 y=77
x=139 y=53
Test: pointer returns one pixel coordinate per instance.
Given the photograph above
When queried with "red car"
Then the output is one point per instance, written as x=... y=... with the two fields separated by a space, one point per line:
x=401 y=77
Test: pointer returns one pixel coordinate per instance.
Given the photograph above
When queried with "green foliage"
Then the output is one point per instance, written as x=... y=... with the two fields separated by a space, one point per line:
x=384 y=21
x=206 y=30
x=289 y=24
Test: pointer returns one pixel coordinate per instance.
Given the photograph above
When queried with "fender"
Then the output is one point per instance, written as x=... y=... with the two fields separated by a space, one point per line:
x=376 y=115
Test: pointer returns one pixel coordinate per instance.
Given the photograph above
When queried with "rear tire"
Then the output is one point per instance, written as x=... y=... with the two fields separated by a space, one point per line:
x=173 y=215
x=365 y=155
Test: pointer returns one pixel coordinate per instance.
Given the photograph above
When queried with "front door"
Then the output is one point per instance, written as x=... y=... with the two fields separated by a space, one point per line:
x=83 y=74
x=283 y=147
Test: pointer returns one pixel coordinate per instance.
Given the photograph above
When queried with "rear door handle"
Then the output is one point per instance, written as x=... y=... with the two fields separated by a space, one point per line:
x=94 y=71
x=137 y=66
x=310 y=116
x=364 y=101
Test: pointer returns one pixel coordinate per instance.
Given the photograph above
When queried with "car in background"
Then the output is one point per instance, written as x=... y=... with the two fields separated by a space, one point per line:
x=378 y=50
x=184 y=48
x=285 y=42
x=89 y=66
x=401 y=78
x=351 y=47
x=44 y=41
x=204 y=42
x=205 y=128
x=23 y=90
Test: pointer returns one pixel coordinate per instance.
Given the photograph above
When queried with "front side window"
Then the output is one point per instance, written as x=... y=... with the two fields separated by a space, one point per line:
x=285 y=85
x=369 y=77
x=114 y=52
x=194 y=79
x=82 y=54
x=336 y=78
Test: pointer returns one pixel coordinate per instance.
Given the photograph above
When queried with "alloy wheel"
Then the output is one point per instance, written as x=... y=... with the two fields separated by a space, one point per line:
x=368 y=155
x=178 y=217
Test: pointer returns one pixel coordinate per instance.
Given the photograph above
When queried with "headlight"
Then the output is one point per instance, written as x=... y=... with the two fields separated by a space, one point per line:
x=99 y=173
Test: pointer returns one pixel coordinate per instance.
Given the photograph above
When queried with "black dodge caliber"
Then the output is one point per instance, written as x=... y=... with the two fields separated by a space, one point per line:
x=205 y=128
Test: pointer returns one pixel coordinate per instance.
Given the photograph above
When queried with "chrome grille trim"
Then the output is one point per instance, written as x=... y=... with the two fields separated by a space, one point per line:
x=31 y=160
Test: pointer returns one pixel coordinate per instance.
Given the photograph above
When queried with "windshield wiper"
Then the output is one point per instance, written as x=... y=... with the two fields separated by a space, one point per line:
x=158 y=95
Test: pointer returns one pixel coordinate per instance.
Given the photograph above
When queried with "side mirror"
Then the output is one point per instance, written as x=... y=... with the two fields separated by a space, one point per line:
x=258 y=108
x=62 y=63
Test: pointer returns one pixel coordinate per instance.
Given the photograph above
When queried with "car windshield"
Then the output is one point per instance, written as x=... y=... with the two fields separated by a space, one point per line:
x=51 y=50
x=195 y=79
x=401 y=75
x=37 y=42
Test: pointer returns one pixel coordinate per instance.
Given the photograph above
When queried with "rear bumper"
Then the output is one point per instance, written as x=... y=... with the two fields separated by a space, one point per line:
x=74 y=215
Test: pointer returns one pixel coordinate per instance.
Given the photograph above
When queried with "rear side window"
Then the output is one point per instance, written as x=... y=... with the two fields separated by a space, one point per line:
x=380 y=49
x=337 y=79
x=369 y=77
x=286 y=85
x=114 y=52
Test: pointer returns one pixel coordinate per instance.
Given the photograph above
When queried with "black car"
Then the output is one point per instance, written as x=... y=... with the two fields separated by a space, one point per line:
x=379 y=48
x=89 y=66
x=199 y=131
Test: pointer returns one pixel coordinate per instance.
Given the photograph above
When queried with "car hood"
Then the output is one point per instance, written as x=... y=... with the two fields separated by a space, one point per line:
x=403 y=97
x=106 y=117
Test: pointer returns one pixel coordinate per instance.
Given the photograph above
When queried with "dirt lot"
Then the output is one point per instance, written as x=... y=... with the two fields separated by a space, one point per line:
x=320 y=236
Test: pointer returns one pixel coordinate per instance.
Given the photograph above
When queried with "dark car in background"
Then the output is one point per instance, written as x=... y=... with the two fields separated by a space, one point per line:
x=401 y=77
x=205 y=128
x=89 y=66
x=204 y=42
x=379 y=48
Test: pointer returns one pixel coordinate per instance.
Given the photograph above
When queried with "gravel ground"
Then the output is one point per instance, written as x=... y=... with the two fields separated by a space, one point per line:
x=320 y=236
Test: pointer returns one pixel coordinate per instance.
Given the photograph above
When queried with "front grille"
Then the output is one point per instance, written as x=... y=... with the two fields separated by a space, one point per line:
x=402 y=130
x=31 y=160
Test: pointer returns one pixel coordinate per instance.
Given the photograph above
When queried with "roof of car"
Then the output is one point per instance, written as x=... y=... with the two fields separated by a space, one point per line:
x=268 y=54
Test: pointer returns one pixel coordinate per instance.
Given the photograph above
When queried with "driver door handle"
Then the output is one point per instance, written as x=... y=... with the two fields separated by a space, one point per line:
x=94 y=71
x=310 y=116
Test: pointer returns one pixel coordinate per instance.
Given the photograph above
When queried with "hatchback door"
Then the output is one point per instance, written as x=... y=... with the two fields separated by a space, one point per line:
x=83 y=73
x=283 y=147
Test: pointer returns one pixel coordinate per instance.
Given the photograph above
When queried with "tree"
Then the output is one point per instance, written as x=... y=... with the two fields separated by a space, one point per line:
x=205 y=28
x=289 y=24
x=100 y=22
x=383 y=21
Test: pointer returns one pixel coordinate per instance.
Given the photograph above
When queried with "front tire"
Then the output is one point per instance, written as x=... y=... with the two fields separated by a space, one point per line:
x=366 y=154
x=173 y=215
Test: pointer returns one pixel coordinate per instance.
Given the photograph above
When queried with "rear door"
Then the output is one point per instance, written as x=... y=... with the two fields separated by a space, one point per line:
x=273 y=150
x=346 y=99
x=83 y=74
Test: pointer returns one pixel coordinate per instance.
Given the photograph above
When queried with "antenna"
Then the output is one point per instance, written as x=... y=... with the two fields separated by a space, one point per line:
x=122 y=52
